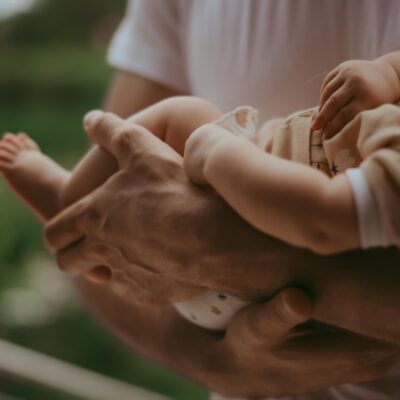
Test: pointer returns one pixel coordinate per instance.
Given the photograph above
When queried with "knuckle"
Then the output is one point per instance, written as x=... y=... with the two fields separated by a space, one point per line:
x=282 y=312
x=90 y=219
x=355 y=80
x=124 y=287
x=104 y=252
x=122 y=138
x=279 y=316
x=93 y=251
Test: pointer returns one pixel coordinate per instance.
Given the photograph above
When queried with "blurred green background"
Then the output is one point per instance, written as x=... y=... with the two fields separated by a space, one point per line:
x=53 y=70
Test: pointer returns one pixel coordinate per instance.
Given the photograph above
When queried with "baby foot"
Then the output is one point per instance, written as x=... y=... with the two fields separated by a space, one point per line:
x=11 y=147
x=33 y=176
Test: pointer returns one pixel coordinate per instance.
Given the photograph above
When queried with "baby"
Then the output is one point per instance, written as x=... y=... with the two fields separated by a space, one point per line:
x=344 y=196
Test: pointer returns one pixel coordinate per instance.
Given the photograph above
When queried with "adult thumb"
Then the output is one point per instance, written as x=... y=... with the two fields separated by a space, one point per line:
x=268 y=324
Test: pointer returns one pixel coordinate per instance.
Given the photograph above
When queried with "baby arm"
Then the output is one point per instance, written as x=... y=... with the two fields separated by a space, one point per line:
x=355 y=86
x=290 y=201
x=172 y=120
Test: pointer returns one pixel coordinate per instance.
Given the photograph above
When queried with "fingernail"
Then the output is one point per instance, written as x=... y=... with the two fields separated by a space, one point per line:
x=90 y=117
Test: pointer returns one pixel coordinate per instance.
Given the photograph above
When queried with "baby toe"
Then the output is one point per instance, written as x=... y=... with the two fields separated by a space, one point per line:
x=12 y=141
x=9 y=147
x=27 y=141
x=6 y=157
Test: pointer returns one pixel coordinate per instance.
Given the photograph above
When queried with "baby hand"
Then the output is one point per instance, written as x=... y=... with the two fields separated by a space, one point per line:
x=198 y=149
x=352 y=87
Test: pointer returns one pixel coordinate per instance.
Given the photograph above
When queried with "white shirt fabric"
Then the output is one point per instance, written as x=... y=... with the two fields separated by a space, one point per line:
x=271 y=54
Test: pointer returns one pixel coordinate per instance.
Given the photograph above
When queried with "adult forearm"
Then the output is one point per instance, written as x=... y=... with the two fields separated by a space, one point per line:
x=129 y=93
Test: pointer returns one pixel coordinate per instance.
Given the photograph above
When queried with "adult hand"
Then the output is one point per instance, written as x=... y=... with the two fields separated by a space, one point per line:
x=160 y=236
x=263 y=353
x=164 y=239
x=352 y=87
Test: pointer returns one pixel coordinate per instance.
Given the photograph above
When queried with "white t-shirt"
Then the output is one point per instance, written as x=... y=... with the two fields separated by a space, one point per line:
x=271 y=54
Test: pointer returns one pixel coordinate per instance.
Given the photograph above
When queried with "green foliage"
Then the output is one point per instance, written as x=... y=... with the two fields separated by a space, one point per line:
x=50 y=75
x=62 y=21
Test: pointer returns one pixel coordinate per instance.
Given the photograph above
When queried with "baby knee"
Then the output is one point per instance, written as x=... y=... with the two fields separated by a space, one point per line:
x=195 y=104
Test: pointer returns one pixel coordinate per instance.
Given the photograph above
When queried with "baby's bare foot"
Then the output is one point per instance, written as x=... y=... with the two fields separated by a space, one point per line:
x=35 y=178
x=11 y=147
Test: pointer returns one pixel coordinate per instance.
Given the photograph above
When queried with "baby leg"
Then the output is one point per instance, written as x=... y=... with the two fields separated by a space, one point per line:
x=172 y=120
x=35 y=178
x=46 y=187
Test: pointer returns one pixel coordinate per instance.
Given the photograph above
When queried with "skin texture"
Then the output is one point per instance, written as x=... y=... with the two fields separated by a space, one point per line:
x=47 y=188
x=274 y=195
x=168 y=210
x=355 y=86
x=260 y=342
x=157 y=331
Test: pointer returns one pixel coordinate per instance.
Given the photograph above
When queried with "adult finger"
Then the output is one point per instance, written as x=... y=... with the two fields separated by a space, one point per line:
x=268 y=324
x=109 y=131
x=83 y=257
x=338 y=122
x=99 y=275
x=70 y=225
x=123 y=139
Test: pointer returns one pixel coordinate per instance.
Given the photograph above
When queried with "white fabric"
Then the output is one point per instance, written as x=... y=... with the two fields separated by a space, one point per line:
x=241 y=122
x=211 y=310
x=370 y=222
x=272 y=54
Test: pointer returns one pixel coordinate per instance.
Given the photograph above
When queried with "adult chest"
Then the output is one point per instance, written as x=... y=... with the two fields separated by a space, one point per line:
x=274 y=54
